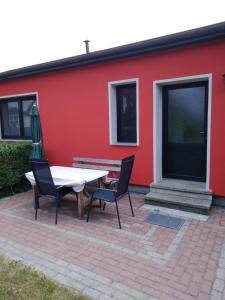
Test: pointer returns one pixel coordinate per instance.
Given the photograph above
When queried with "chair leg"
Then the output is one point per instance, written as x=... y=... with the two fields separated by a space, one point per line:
x=89 y=209
x=36 y=213
x=118 y=215
x=36 y=198
x=56 y=210
x=36 y=206
x=131 y=207
x=104 y=204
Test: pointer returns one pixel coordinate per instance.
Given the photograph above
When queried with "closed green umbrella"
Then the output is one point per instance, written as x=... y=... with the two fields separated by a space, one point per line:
x=36 y=134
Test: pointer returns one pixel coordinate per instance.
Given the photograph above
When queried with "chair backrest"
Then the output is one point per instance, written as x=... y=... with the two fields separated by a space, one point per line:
x=43 y=177
x=126 y=169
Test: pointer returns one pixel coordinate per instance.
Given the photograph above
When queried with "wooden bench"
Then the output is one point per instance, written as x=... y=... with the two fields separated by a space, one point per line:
x=113 y=166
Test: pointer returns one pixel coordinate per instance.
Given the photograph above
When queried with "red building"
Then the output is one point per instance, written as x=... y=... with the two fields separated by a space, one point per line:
x=162 y=99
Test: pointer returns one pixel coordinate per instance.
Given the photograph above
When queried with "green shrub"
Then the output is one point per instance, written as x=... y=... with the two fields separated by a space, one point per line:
x=13 y=164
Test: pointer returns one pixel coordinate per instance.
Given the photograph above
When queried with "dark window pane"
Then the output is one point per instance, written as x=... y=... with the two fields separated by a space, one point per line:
x=10 y=119
x=15 y=117
x=126 y=113
x=27 y=107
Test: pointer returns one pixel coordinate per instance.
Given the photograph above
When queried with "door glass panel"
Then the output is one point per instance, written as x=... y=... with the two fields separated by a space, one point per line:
x=186 y=110
x=10 y=119
x=27 y=107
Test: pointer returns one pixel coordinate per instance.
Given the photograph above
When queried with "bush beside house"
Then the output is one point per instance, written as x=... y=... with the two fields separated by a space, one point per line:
x=14 y=163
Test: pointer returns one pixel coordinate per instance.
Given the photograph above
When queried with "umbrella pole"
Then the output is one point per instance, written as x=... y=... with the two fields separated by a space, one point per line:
x=42 y=141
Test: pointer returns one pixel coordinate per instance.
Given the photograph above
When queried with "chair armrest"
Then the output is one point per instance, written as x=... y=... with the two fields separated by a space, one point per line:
x=111 y=183
x=59 y=187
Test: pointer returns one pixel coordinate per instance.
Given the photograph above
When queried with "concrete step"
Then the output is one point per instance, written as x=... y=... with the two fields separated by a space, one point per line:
x=179 y=202
x=182 y=193
x=182 y=186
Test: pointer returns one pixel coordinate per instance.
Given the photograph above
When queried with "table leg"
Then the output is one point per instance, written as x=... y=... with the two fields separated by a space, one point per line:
x=101 y=185
x=101 y=182
x=80 y=205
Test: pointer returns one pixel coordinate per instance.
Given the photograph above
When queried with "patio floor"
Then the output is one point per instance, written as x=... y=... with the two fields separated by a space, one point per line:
x=141 y=261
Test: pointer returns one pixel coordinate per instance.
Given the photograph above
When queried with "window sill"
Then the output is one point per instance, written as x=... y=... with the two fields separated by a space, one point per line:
x=14 y=140
x=125 y=144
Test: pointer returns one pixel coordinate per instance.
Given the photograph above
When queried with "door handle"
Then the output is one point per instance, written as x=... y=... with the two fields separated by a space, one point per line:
x=202 y=132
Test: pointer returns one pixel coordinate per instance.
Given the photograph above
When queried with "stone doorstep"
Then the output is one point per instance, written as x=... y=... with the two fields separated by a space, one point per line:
x=182 y=186
x=177 y=199
x=178 y=202
x=189 y=194
x=183 y=195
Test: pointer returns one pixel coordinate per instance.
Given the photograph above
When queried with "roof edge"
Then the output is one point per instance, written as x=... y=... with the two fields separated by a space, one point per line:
x=189 y=37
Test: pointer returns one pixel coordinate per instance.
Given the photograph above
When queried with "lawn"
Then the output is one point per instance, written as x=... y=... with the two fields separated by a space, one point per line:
x=20 y=282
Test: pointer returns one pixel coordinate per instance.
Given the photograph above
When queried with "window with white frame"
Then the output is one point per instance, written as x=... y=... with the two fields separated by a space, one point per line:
x=123 y=110
x=15 y=116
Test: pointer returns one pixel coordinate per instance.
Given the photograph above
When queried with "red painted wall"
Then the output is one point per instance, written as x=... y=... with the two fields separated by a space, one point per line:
x=74 y=106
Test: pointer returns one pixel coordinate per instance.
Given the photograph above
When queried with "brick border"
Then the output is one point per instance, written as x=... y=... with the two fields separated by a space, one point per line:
x=89 y=283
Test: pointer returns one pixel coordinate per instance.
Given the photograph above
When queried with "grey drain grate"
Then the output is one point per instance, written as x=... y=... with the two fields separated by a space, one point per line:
x=165 y=221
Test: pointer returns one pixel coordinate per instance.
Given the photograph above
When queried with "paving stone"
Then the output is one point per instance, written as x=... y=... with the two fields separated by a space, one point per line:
x=105 y=297
x=136 y=294
x=50 y=273
x=91 y=292
x=119 y=295
x=222 y=262
x=77 y=285
x=105 y=289
x=220 y=273
x=139 y=262
x=218 y=285
x=63 y=279
x=215 y=295
x=76 y=276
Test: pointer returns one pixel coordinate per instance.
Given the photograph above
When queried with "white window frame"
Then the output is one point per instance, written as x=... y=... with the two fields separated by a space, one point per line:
x=11 y=96
x=113 y=114
x=157 y=121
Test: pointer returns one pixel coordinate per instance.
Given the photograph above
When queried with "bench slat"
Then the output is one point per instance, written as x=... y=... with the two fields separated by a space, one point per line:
x=95 y=167
x=98 y=160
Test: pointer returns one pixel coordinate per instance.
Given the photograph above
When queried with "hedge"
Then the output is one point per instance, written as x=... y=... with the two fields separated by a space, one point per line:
x=13 y=164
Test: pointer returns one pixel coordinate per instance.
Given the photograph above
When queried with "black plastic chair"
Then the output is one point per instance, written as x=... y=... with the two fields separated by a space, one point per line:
x=45 y=185
x=109 y=195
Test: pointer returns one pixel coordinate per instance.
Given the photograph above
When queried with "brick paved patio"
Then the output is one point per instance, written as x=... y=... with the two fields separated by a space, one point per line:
x=141 y=261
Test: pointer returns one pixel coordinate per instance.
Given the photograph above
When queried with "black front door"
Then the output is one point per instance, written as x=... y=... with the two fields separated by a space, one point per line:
x=185 y=131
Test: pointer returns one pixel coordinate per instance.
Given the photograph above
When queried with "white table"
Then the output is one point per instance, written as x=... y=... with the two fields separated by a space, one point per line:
x=72 y=177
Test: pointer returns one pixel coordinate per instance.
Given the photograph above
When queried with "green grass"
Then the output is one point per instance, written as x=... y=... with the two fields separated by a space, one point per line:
x=23 y=283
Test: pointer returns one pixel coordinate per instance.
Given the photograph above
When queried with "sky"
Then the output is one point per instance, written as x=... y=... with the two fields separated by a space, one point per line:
x=36 y=31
